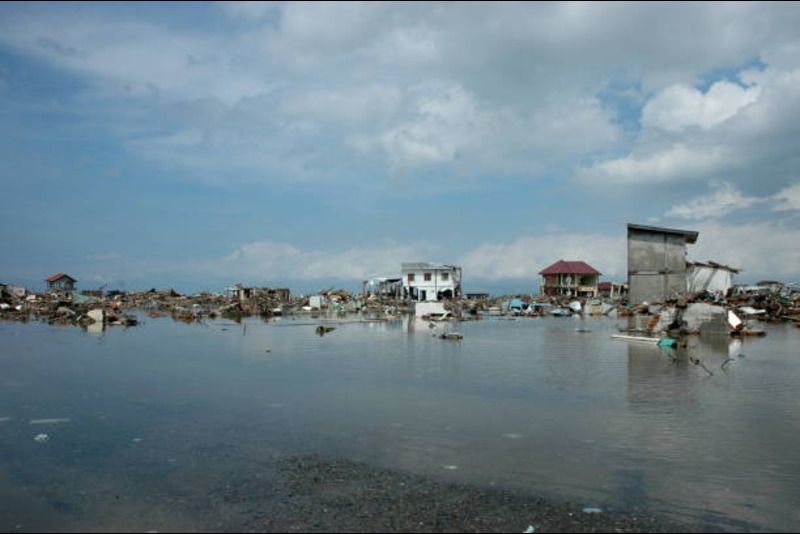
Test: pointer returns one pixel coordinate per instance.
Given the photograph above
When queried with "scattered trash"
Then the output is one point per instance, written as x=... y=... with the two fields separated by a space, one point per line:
x=697 y=362
x=41 y=438
x=667 y=342
x=453 y=336
x=97 y=315
x=529 y=530
x=55 y=421
x=322 y=330
x=726 y=362
x=638 y=339
x=582 y=330
x=592 y=510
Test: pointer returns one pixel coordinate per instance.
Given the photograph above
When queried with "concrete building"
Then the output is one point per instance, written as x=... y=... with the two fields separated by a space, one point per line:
x=657 y=269
x=570 y=279
x=430 y=282
x=61 y=282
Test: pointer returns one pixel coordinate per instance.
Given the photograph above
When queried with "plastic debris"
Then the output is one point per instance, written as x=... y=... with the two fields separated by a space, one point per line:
x=529 y=530
x=592 y=510
x=667 y=342
x=450 y=467
x=41 y=438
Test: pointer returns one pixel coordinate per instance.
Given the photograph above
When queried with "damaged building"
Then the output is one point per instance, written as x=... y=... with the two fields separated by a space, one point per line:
x=709 y=277
x=242 y=293
x=61 y=282
x=430 y=282
x=570 y=279
x=657 y=266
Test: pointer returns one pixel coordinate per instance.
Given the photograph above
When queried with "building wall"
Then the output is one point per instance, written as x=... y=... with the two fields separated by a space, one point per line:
x=656 y=266
x=432 y=287
x=64 y=284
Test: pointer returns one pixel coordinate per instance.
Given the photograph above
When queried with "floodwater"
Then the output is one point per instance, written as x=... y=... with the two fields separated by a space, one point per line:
x=144 y=425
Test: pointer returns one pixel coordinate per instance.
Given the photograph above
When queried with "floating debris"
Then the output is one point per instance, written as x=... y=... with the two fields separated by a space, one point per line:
x=529 y=530
x=322 y=330
x=55 y=421
x=5 y=419
x=592 y=510
x=41 y=438
x=452 y=336
x=450 y=467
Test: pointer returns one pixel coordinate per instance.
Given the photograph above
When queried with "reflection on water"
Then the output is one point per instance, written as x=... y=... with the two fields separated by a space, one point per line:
x=162 y=415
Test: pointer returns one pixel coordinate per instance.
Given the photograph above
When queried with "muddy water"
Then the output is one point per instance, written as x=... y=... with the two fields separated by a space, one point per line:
x=145 y=426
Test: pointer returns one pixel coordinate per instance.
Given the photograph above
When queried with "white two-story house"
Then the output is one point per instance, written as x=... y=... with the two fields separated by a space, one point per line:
x=430 y=282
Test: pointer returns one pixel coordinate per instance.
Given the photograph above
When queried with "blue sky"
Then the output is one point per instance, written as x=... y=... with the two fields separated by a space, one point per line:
x=313 y=145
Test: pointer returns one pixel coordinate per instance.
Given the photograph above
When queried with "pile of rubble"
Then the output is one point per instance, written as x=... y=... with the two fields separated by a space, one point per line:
x=63 y=308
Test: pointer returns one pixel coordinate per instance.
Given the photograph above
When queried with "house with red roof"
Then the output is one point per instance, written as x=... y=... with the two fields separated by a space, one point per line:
x=570 y=279
x=61 y=281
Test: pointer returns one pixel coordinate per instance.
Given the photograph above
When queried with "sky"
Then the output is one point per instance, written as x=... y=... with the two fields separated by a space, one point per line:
x=315 y=145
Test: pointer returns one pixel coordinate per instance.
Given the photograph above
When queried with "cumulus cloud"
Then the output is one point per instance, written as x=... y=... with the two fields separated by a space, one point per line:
x=523 y=258
x=762 y=250
x=673 y=163
x=723 y=200
x=788 y=199
x=679 y=106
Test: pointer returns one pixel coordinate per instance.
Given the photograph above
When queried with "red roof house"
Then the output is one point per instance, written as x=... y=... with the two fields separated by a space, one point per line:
x=571 y=279
x=61 y=281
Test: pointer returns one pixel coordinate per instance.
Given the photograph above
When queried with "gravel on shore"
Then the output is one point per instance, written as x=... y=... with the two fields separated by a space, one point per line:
x=311 y=493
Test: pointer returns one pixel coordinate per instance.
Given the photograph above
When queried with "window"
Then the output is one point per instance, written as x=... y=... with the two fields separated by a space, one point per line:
x=410 y=277
x=445 y=277
x=427 y=277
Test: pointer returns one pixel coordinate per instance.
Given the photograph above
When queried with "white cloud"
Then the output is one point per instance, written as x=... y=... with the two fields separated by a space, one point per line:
x=526 y=256
x=675 y=163
x=679 y=106
x=788 y=198
x=762 y=250
x=723 y=200
x=268 y=259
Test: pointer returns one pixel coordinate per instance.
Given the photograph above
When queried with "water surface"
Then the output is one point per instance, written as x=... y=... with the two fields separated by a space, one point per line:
x=146 y=423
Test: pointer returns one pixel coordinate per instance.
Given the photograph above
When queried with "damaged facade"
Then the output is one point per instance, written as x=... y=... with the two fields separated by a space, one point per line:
x=657 y=268
x=709 y=277
x=570 y=279
x=383 y=287
x=241 y=293
x=430 y=282
x=61 y=282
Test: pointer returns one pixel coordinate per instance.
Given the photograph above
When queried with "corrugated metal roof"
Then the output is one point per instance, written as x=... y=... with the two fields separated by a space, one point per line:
x=569 y=267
